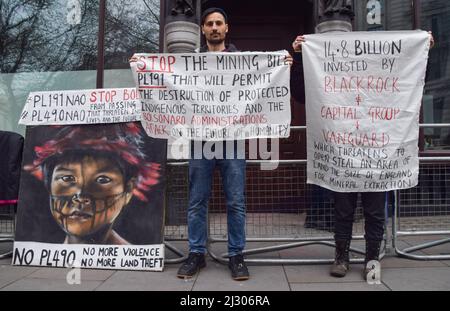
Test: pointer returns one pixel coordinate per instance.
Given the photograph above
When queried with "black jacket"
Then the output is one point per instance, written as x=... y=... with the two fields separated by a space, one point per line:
x=228 y=48
x=297 y=81
x=11 y=148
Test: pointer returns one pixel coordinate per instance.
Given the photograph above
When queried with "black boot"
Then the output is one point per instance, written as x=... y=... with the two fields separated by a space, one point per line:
x=372 y=253
x=341 y=262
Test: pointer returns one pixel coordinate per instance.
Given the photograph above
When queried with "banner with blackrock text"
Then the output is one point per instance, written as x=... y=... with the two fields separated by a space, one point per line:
x=363 y=97
x=214 y=96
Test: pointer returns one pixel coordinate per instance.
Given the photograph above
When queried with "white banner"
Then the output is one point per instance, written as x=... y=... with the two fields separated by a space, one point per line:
x=363 y=97
x=214 y=96
x=96 y=106
x=120 y=257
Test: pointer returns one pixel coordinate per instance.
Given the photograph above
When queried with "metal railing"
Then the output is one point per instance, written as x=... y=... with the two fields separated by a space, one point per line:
x=7 y=227
x=424 y=211
x=276 y=215
x=283 y=210
x=284 y=206
x=280 y=202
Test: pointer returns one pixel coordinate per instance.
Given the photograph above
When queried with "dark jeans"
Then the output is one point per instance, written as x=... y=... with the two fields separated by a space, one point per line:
x=344 y=209
x=201 y=175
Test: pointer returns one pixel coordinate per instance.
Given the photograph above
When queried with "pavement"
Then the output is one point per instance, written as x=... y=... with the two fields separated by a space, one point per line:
x=398 y=274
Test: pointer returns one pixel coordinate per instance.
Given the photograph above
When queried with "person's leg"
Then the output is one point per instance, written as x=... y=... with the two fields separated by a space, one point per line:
x=233 y=179
x=344 y=209
x=374 y=215
x=200 y=180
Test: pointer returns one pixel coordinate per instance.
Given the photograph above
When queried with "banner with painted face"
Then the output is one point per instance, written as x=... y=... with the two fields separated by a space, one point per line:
x=363 y=97
x=91 y=195
x=214 y=96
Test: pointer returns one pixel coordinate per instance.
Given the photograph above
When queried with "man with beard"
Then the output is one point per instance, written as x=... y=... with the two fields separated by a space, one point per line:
x=201 y=169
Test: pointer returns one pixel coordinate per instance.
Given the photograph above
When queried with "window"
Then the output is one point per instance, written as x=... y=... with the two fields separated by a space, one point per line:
x=131 y=27
x=52 y=45
x=45 y=45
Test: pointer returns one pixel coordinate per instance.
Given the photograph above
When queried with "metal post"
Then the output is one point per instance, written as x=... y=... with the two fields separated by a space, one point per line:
x=101 y=44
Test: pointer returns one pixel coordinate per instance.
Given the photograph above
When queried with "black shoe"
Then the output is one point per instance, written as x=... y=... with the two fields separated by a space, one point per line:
x=372 y=253
x=239 y=271
x=191 y=266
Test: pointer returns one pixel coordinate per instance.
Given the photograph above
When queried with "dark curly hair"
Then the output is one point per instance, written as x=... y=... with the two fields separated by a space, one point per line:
x=121 y=143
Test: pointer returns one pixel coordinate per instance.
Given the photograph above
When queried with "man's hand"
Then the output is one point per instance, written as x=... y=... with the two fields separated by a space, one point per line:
x=297 y=44
x=431 y=39
x=133 y=59
x=288 y=60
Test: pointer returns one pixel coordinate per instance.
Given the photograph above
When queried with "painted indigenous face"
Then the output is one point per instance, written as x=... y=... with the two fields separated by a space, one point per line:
x=214 y=28
x=87 y=195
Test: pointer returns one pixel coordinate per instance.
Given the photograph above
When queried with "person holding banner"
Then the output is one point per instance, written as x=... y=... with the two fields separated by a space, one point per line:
x=345 y=202
x=318 y=216
x=214 y=25
x=91 y=174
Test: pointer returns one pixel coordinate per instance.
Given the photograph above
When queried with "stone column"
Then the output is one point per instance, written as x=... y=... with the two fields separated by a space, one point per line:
x=181 y=35
x=334 y=15
x=182 y=31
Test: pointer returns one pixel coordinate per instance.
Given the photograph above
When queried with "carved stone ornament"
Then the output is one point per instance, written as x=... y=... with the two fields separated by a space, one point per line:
x=331 y=7
x=183 y=7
